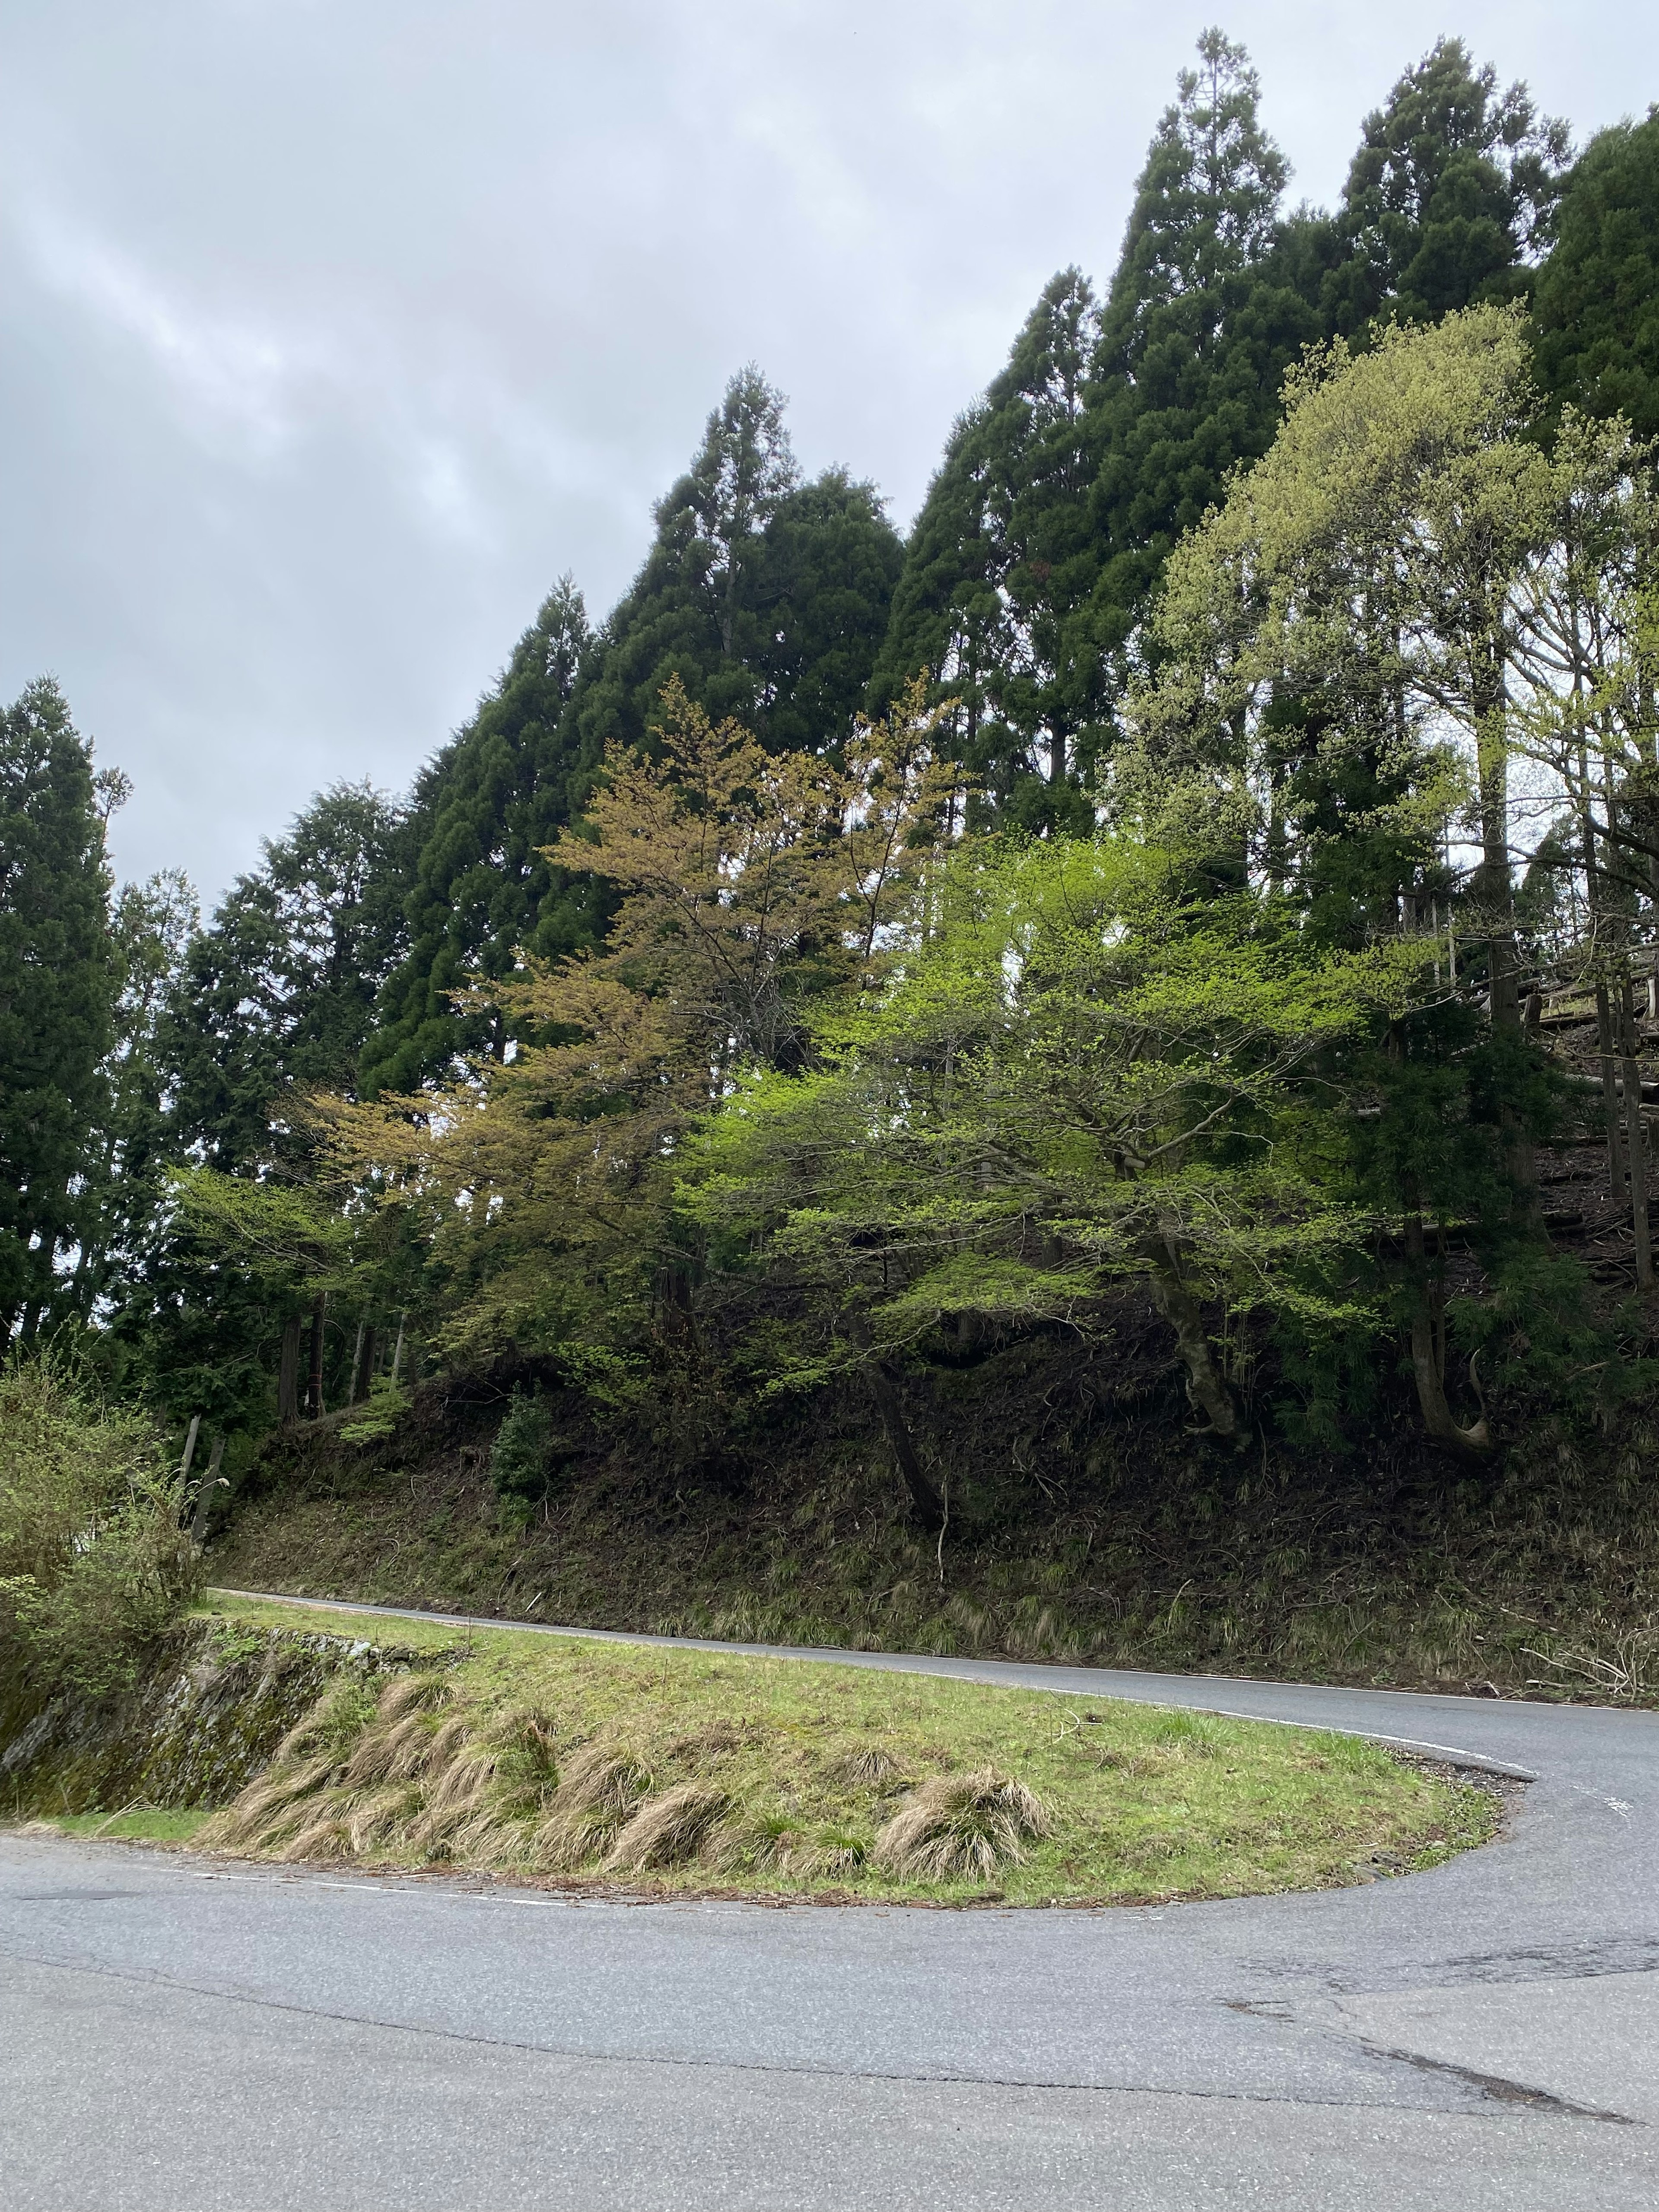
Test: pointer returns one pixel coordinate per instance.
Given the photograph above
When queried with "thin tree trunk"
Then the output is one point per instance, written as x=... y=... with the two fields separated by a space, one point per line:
x=205 y=1488
x=928 y=1505
x=924 y=1500
x=357 y=1366
x=397 y=1349
x=190 y=1450
x=287 y=1374
x=1636 y=1153
x=314 y=1371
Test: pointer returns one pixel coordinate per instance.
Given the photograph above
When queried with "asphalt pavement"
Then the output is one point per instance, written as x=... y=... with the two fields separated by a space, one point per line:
x=194 y=2036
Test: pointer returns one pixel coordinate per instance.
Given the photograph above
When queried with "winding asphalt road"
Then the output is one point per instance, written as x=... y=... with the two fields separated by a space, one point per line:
x=206 y=2038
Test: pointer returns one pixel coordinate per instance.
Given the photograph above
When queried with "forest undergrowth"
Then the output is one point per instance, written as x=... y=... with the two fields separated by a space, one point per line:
x=1086 y=1525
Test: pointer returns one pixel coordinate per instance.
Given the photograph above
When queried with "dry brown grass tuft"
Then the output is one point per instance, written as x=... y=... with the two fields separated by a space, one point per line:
x=961 y=1828
x=376 y=1818
x=390 y=1752
x=599 y=1788
x=328 y=1838
x=353 y=1779
x=604 y=1780
x=488 y=1789
x=258 y=1814
x=332 y=1725
x=871 y=1768
x=411 y=1693
x=667 y=1830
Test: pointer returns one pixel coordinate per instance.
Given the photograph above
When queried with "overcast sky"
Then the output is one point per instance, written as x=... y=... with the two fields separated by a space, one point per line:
x=335 y=329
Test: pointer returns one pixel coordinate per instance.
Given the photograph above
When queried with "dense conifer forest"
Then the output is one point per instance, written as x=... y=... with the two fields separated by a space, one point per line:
x=1125 y=1017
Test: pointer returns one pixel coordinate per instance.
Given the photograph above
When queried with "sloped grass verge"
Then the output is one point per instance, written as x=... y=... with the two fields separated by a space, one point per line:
x=555 y=1760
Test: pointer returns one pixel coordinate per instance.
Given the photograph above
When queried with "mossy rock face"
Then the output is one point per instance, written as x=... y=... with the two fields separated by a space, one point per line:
x=206 y=1714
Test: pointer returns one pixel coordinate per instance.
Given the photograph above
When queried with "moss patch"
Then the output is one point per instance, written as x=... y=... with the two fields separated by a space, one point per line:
x=554 y=1758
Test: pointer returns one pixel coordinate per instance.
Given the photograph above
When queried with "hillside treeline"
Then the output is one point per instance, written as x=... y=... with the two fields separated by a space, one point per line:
x=1209 y=865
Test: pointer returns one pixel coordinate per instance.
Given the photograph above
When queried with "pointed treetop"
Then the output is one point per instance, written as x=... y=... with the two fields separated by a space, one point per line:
x=552 y=645
x=1207 y=200
x=1453 y=189
x=746 y=465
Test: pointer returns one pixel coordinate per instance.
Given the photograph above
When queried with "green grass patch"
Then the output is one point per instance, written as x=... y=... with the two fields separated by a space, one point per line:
x=552 y=1758
x=143 y=1824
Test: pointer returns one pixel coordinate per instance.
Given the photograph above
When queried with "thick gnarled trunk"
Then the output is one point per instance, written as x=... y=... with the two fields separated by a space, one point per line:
x=1428 y=1348
x=1207 y=1387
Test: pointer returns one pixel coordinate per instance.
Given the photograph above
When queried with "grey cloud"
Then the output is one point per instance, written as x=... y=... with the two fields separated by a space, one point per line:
x=333 y=332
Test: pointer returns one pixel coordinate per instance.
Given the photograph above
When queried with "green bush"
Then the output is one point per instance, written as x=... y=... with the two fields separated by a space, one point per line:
x=520 y=1462
x=386 y=1404
x=94 y=1563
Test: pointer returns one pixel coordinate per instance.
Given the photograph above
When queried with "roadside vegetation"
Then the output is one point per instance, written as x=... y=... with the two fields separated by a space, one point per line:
x=1087 y=1526
x=94 y=1563
x=571 y=1762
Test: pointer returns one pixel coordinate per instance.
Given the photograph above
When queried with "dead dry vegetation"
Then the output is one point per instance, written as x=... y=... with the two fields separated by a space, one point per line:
x=563 y=1761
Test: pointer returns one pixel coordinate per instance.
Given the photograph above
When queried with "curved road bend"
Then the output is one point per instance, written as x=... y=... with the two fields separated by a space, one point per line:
x=183 y=2039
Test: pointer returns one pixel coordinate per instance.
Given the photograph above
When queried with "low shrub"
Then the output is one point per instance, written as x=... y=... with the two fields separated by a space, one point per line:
x=94 y=1563
x=520 y=1461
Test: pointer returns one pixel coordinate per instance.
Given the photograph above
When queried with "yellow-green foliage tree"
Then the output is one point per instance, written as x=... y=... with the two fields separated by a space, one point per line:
x=753 y=886
x=1087 y=1069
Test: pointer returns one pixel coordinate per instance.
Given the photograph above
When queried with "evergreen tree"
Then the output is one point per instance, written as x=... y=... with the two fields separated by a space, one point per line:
x=278 y=993
x=1203 y=320
x=947 y=618
x=58 y=984
x=1596 y=306
x=829 y=562
x=1001 y=558
x=1107 y=434
x=153 y=927
x=273 y=1002
x=765 y=598
x=1449 y=198
x=481 y=813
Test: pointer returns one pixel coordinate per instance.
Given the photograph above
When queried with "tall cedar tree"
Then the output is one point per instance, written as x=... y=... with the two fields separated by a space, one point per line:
x=1450 y=197
x=1203 y=320
x=1046 y=528
x=153 y=927
x=57 y=985
x=1001 y=559
x=1596 y=307
x=278 y=993
x=274 y=1002
x=764 y=597
x=481 y=813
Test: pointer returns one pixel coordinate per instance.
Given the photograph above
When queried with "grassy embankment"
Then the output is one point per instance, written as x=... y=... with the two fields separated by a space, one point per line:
x=1105 y=1536
x=554 y=1758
